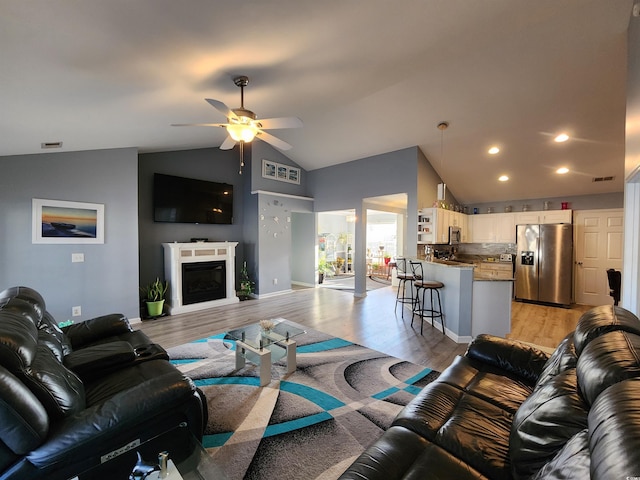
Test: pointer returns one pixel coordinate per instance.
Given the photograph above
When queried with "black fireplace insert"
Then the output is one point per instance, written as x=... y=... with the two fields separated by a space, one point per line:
x=203 y=282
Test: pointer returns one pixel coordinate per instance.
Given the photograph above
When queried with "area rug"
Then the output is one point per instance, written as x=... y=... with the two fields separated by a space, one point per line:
x=309 y=424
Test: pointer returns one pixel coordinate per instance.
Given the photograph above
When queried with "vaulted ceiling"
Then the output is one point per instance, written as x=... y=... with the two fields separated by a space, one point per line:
x=365 y=78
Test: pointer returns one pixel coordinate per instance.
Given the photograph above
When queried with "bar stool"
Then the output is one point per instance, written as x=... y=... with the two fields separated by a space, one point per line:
x=403 y=277
x=419 y=307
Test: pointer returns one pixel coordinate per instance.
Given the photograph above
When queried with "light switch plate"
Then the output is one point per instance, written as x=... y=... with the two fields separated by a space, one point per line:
x=77 y=257
x=506 y=257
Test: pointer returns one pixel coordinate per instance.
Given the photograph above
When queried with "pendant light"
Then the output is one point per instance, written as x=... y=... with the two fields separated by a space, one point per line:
x=442 y=187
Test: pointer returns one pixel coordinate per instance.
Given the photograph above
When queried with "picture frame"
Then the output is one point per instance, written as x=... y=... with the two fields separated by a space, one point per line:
x=65 y=222
x=280 y=172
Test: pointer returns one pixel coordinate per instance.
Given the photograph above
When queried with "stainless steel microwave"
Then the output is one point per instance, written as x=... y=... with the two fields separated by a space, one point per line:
x=455 y=236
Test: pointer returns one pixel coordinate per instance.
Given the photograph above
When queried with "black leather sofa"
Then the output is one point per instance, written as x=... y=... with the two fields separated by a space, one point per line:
x=86 y=397
x=507 y=410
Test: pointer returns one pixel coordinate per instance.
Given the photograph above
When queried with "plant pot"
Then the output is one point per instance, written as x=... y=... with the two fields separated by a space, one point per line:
x=387 y=260
x=155 y=308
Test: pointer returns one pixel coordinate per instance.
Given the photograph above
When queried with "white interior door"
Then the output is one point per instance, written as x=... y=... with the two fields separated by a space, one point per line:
x=598 y=246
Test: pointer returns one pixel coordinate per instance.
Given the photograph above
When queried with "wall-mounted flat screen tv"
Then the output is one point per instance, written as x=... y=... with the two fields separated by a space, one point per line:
x=187 y=200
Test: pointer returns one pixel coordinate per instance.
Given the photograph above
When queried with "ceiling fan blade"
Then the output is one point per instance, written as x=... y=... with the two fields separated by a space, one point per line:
x=283 y=122
x=222 y=108
x=198 y=124
x=276 y=142
x=228 y=144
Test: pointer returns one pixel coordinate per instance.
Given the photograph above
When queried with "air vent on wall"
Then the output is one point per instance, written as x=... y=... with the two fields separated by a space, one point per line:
x=51 y=145
x=603 y=179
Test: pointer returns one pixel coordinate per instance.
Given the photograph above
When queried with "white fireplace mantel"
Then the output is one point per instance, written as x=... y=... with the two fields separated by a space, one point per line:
x=175 y=254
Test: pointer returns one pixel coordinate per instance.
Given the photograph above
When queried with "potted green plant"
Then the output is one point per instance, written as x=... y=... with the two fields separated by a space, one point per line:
x=323 y=269
x=246 y=285
x=387 y=258
x=153 y=295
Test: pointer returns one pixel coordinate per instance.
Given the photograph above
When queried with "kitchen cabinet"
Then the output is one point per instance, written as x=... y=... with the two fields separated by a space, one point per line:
x=506 y=228
x=494 y=271
x=434 y=223
x=544 y=216
x=494 y=228
x=427 y=225
x=484 y=228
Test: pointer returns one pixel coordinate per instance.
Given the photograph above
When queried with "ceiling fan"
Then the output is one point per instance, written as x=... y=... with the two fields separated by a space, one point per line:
x=243 y=125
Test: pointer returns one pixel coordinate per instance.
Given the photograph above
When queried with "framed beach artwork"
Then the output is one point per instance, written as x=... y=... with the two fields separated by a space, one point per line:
x=280 y=172
x=62 y=222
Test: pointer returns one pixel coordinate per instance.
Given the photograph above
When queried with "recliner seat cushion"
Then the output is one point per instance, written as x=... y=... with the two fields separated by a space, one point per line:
x=545 y=422
x=572 y=462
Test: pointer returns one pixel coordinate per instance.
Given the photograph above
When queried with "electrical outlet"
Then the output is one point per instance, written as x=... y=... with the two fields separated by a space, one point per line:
x=76 y=311
x=275 y=281
x=77 y=257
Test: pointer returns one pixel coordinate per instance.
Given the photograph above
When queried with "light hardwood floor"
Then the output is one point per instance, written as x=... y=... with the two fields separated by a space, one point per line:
x=369 y=321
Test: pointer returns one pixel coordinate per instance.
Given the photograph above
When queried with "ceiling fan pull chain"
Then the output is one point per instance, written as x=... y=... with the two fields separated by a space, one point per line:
x=241 y=156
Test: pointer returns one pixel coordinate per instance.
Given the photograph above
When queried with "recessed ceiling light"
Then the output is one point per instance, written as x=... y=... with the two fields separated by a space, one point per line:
x=494 y=150
x=563 y=137
x=562 y=170
x=503 y=178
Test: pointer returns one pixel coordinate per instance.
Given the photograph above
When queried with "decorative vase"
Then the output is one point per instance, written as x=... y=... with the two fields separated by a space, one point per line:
x=155 y=308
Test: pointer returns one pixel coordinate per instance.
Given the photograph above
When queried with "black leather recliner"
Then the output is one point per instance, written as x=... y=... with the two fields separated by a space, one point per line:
x=72 y=398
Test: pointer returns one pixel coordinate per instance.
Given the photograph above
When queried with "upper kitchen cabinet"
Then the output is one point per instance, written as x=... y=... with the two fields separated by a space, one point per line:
x=544 y=216
x=434 y=223
x=493 y=228
x=483 y=228
x=427 y=225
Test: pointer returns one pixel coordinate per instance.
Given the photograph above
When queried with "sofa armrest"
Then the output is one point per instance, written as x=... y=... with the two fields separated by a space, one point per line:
x=515 y=357
x=97 y=328
x=100 y=358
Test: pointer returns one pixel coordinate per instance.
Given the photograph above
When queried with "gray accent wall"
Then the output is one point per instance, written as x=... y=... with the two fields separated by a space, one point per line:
x=210 y=164
x=107 y=280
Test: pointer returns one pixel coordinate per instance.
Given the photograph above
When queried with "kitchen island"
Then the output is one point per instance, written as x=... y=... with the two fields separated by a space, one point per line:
x=472 y=303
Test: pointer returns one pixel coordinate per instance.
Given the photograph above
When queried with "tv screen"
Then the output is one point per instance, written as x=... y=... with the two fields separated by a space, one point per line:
x=187 y=200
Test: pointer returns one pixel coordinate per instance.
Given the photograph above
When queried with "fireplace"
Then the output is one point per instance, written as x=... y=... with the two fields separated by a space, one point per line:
x=201 y=275
x=203 y=281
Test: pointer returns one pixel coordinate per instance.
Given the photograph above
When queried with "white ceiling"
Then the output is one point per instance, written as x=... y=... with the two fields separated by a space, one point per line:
x=365 y=77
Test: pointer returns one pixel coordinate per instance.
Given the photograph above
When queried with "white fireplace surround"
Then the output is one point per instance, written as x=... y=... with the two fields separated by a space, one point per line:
x=176 y=254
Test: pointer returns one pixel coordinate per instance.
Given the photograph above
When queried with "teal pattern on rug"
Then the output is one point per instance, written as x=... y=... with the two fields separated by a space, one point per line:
x=305 y=424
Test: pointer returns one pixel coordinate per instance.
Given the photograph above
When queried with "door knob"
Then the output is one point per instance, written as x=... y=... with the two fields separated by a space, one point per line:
x=578 y=263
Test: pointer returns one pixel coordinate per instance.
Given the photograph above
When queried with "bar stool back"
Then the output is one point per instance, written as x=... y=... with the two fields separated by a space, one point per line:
x=422 y=286
x=404 y=276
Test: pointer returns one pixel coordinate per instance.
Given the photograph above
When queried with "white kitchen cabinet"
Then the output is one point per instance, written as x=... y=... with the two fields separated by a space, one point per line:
x=544 y=216
x=484 y=228
x=434 y=223
x=527 y=218
x=444 y=222
x=427 y=226
x=506 y=228
x=556 y=216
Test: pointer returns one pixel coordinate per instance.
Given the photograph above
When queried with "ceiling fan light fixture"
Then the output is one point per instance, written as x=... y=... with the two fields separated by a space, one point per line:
x=242 y=132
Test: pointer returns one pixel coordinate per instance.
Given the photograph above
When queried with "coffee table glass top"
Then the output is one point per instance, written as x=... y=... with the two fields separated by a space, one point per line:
x=253 y=335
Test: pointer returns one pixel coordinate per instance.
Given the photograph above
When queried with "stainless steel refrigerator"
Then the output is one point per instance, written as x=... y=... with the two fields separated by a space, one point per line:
x=544 y=263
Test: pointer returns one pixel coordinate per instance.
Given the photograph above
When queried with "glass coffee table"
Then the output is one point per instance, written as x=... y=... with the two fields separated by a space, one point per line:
x=265 y=347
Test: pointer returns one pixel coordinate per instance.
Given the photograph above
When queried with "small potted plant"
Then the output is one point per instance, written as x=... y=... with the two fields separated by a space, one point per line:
x=154 y=297
x=324 y=269
x=387 y=258
x=246 y=285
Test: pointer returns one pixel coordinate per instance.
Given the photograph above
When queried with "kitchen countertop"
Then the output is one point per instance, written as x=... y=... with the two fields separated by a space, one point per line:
x=477 y=276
